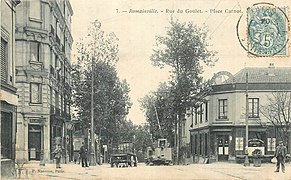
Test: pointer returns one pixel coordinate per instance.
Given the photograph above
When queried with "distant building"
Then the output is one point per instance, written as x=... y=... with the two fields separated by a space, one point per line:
x=8 y=89
x=218 y=127
x=43 y=66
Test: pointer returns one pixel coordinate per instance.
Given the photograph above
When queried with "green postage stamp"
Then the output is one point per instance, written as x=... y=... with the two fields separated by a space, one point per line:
x=267 y=30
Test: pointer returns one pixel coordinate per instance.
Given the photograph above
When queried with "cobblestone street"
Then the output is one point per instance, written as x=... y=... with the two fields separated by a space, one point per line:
x=193 y=171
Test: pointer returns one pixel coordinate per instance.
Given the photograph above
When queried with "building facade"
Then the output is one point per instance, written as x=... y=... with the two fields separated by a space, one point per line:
x=218 y=121
x=8 y=96
x=43 y=66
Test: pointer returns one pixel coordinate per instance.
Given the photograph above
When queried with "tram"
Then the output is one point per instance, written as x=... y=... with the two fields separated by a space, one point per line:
x=159 y=155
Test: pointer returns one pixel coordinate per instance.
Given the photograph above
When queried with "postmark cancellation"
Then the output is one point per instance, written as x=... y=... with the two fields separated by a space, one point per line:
x=267 y=30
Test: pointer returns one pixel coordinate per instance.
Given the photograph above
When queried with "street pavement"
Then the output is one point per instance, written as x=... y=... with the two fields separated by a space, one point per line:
x=225 y=171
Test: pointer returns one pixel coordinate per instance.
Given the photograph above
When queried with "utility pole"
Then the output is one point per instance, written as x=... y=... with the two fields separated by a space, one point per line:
x=247 y=163
x=177 y=139
x=92 y=153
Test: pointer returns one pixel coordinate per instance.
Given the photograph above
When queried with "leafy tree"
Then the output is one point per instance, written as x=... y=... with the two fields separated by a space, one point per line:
x=185 y=49
x=97 y=57
x=159 y=111
x=142 y=140
x=277 y=111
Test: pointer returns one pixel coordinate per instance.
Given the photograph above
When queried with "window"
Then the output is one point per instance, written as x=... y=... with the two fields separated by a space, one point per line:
x=196 y=144
x=196 y=115
x=4 y=60
x=51 y=95
x=56 y=61
x=239 y=146
x=201 y=113
x=200 y=144
x=6 y=135
x=57 y=99
x=206 y=111
x=35 y=51
x=35 y=93
x=254 y=107
x=271 y=146
x=35 y=9
x=205 y=144
x=222 y=108
x=183 y=129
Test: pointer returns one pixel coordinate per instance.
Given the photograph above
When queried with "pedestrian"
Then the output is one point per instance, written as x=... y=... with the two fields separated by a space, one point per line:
x=58 y=155
x=83 y=155
x=280 y=154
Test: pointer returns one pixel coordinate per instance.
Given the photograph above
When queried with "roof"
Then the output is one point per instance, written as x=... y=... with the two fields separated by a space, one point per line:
x=264 y=75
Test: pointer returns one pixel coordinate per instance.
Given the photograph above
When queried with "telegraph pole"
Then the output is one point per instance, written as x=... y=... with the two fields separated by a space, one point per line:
x=247 y=163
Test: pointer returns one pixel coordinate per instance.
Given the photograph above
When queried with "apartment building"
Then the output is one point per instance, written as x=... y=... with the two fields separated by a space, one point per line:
x=8 y=96
x=43 y=66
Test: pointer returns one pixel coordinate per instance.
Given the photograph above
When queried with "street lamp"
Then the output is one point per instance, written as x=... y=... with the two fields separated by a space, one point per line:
x=247 y=163
x=92 y=151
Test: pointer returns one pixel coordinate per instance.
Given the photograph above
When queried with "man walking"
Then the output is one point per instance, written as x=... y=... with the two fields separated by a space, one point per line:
x=280 y=154
x=83 y=155
x=58 y=155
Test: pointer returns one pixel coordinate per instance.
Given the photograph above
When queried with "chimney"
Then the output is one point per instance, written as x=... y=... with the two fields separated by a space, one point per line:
x=271 y=66
x=271 y=69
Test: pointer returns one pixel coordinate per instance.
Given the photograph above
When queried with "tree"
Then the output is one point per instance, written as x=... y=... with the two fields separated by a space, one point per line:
x=184 y=49
x=159 y=111
x=278 y=112
x=97 y=57
x=142 y=141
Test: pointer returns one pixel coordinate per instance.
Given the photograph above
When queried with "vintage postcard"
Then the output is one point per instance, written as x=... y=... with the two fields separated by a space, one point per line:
x=145 y=89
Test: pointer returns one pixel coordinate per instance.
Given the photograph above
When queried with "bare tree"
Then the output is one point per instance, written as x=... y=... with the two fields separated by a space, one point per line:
x=278 y=112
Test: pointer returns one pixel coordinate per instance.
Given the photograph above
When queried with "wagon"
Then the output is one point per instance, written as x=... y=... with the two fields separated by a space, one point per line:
x=123 y=160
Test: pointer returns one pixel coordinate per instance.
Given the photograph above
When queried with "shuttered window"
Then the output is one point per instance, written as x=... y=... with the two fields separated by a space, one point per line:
x=4 y=60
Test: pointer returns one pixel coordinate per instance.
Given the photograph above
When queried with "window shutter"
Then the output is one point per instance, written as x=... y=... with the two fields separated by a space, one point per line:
x=4 y=60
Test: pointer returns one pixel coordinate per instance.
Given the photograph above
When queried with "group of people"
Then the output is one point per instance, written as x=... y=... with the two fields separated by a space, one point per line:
x=57 y=153
x=280 y=154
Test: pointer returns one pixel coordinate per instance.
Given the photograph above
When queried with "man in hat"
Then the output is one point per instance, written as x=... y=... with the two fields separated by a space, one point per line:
x=280 y=154
x=83 y=155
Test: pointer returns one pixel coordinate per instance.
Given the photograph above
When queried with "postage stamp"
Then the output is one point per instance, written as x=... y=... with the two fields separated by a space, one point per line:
x=267 y=30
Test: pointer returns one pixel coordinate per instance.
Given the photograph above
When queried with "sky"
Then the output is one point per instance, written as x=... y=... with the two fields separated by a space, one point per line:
x=137 y=33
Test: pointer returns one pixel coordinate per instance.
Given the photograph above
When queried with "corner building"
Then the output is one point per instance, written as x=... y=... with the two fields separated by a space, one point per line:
x=43 y=47
x=218 y=125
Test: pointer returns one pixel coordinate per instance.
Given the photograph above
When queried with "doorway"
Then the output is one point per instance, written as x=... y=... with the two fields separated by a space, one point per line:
x=223 y=145
x=34 y=142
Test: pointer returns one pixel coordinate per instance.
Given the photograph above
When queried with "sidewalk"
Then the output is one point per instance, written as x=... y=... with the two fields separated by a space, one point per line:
x=217 y=170
x=238 y=171
x=67 y=171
